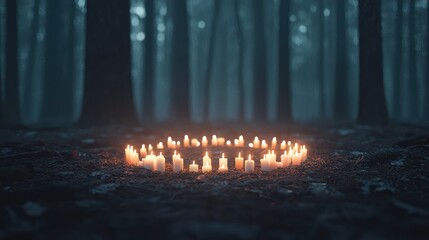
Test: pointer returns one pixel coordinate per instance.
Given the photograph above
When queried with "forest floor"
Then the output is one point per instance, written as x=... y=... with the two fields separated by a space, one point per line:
x=358 y=183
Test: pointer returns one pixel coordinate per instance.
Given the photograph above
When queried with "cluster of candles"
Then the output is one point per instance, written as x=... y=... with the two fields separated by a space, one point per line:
x=292 y=155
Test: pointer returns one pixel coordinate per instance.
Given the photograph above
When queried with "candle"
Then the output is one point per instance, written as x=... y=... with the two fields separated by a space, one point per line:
x=286 y=159
x=173 y=145
x=160 y=146
x=251 y=145
x=304 y=153
x=264 y=144
x=143 y=151
x=150 y=162
x=241 y=141
x=207 y=168
x=193 y=167
x=127 y=153
x=214 y=140
x=295 y=147
x=239 y=162
x=194 y=142
x=186 y=141
x=236 y=143
x=204 y=141
x=274 y=143
x=272 y=160
x=256 y=143
x=169 y=140
x=222 y=168
x=228 y=143
x=289 y=143
x=249 y=165
x=178 y=144
x=134 y=157
x=220 y=141
x=160 y=163
x=150 y=148
x=265 y=164
x=207 y=160
x=223 y=162
x=296 y=159
x=283 y=145
x=178 y=164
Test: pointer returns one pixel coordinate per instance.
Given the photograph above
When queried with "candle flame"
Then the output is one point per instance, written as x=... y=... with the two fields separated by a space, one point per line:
x=239 y=154
x=193 y=162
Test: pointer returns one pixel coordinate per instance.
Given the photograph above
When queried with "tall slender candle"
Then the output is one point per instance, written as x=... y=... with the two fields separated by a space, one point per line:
x=160 y=163
x=239 y=162
x=249 y=165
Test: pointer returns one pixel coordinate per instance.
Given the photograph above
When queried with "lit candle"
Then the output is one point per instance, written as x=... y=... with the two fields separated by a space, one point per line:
x=143 y=151
x=193 y=167
x=178 y=164
x=241 y=141
x=256 y=143
x=236 y=143
x=222 y=168
x=150 y=162
x=265 y=164
x=178 y=144
x=127 y=154
x=194 y=142
x=220 y=141
x=251 y=145
x=207 y=168
x=169 y=140
x=249 y=165
x=274 y=143
x=286 y=159
x=239 y=162
x=134 y=157
x=214 y=140
x=150 y=148
x=289 y=143
x=295 y=147
x=304 y=153
x=173 y=145
x=186 y=141
x=207 y=160
x=160 y=163
x=204 y=141
x=223 y=162
x=283 y=145
x=273 y=160
x=264 y=144
x=228 y=143
x=296 y=159
x=160 y=146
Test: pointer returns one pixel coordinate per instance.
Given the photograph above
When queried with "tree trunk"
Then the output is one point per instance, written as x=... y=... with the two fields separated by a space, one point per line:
x=341 y=93
x=322 y=60
x=239 y=31
x=108 y=88
x=284 y=104
x=71 y=62
x=180 y=62
x=259 y=63
x=372 y=104
x=397 y=67
x=149 y=74
x=210 y=56
x=413 y=91
x=11 y=106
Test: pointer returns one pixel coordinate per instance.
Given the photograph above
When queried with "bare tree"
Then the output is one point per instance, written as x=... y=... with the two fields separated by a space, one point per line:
x=284 y=103
x=240 y=38
x=397 y=66
x=412 y=87
x=108 y=93
x=259 y=63
x=149 y=74
x=372 y=103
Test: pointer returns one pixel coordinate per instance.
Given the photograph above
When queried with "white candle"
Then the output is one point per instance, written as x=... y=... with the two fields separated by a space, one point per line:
x=173 y=145
x=228 y=143
x=265 y=164
x=143 y=151
x=304 y=153
x=296 y=159
x=207 y=160
x=283 y=145
x=295 y=147
x=160 y=163
x=249 y=165
x=194 y=142
x=150 y=148
x=193 y=167
x=127 y=154
x=150 y=162
x=241 y=141
x=134 y=157
x=273 y=160
x=178 y=144
x=256 y=143
x=274 y=143
x=204 y=141
x=207 y=168
x=236 y=143
x=186 y=141
x=178 y=164
x=223 y=161
x=160 y=146
x=286 y=159
x=220 y=141
x=223 y=168
x=169 y=140
x=264 y=144
x=289 y=143
x=214 y=140
x=239 y=162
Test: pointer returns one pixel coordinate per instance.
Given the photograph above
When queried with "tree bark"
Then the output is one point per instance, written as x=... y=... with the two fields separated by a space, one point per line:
x=413 y=91
x=259 y=63
x=11 y=105
x=108 y=88
x=341 y=93
x=322 y=60
x=284 y=103
x=210 y=56
x=372 y=104
x=397 y=67
x=239 y=32
x=149 y=74
x=180 y=62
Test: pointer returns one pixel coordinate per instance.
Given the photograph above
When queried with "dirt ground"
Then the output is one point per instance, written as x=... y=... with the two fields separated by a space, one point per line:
x=358 y=183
